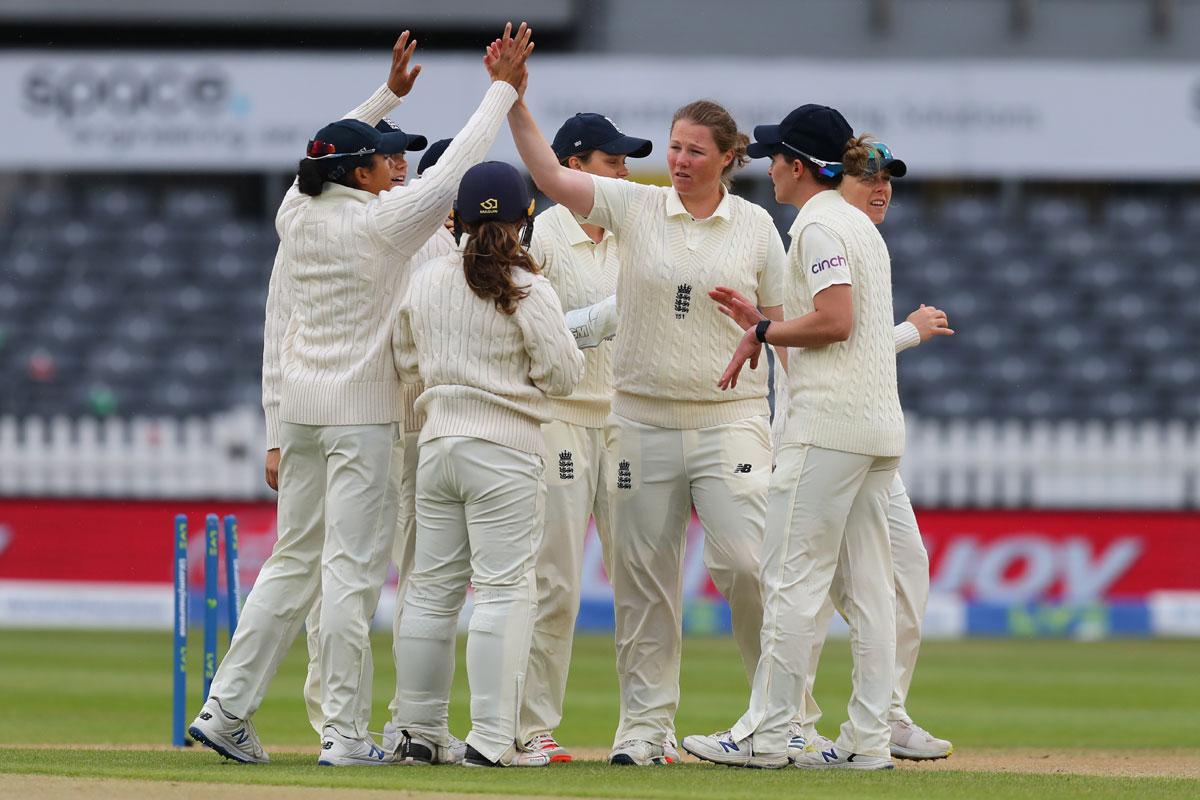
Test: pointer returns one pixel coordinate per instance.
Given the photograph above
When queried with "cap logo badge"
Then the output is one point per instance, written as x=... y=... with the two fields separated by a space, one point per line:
x=579 y=143
x=618 y=130
x=489 y=206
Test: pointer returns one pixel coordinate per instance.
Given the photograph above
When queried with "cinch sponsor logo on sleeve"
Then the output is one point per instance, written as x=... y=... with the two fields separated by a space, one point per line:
x=828 y=263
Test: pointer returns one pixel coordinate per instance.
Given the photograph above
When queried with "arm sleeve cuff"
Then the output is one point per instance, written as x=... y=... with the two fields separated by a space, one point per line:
x=272 y=417
x=375 y=107
x=906 y=336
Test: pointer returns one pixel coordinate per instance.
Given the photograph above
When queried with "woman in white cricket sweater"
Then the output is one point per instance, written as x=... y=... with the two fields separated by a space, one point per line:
x=674 y=439
x=580 y=261
x=842 y=446
x=346 y=235
x=485 y=335
x=869 y=168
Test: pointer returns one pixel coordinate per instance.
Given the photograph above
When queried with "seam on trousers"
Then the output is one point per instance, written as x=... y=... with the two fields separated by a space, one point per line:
x=779 y=577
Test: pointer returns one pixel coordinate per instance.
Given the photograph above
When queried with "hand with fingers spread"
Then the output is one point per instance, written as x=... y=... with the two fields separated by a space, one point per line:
x=401 y=78
x=929 y=322
x=748 y=349
x=505 y=57
x=737 y=307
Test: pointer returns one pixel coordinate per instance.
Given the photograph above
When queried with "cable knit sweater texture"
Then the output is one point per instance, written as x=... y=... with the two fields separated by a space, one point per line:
x=337 y=278
x=487 y=374
x=844 y=395
x=582 y=273
x=439 y=245
x=673 y=343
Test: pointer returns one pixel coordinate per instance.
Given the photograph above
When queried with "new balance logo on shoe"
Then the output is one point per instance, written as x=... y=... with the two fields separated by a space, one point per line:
x=204 y=715
x=683 y=300
x=566 y=466
x=743 y=469
x=327 y=744
x=728 y=746
x=829 y=755
x=240 y=736
x=624 y=476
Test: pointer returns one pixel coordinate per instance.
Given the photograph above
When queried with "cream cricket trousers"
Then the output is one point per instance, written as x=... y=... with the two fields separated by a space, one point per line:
x=655 y=476
x=338 y=489
x=576 y=490
x=910 y=563
x=819 y=500
x=402 y=557
x=480 y=511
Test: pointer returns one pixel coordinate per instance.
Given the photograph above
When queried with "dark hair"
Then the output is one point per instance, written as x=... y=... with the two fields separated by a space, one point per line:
x=813 y=169
x=312 y=173
x=723 y=127
x=584 y=157
x=492 y=251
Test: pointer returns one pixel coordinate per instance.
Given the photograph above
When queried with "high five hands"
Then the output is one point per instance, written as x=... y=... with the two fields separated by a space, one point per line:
x=401 y=78
x=505 y=57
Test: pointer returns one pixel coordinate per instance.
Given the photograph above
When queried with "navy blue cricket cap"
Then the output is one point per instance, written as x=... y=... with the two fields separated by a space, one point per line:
x=346 y=137
x=493 y=192
x=585 y=132
x=431 y=156
x=817 y=132
x=394 y=140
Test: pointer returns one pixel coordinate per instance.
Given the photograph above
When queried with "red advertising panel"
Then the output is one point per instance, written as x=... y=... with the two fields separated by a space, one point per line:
x=985 y=556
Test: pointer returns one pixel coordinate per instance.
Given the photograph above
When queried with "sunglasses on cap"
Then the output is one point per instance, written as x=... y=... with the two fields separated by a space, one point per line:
x=318 y=150
x=827 y=169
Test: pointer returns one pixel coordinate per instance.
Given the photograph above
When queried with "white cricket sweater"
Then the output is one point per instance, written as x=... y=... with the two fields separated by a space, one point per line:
x=336 y=280
x=486 y=373
x=843 y=395
x=582 y=273
x=673 y=343
x=441 y=244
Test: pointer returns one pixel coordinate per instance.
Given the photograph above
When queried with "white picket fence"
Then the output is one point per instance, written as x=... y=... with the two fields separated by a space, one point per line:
x=1133 y=465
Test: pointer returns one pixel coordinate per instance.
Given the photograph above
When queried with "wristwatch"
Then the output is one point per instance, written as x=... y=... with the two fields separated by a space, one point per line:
x=760 y=330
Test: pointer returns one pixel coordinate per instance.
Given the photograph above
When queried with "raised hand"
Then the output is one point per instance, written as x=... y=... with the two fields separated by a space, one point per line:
x=748 y=349
x=930 y=321
x=401 y=78
x=505 y=57
x=737 y=307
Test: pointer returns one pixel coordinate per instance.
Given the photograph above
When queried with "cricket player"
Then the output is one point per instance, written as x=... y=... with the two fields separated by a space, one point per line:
x=869 y=168
x=675 y=440
x=345 y=233
x=486 y=336
x=580 y=261
x=842 y=446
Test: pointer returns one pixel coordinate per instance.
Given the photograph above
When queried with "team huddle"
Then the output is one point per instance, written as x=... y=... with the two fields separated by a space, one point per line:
x=453 y=388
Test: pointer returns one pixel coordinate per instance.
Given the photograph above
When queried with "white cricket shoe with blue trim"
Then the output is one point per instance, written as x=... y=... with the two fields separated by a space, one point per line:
x=343 y=751
x=720 y=748
x=230 y=736
x=835 y=757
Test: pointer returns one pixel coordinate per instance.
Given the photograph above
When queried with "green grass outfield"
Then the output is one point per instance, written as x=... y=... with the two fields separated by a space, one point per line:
x=95 y=688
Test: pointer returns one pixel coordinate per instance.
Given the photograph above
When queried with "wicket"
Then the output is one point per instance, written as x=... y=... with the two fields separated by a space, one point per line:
x=233 y=600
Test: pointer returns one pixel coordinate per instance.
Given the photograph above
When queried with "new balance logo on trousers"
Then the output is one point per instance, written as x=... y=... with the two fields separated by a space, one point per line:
x=743 y=469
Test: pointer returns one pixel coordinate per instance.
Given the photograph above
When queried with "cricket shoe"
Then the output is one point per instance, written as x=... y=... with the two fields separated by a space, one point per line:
x=797 y=739
x=418 y=750
x=637 y=753
x=671 y=751
x=911 y=741
x=513 y=757
x=545 y=743
x=344 y=751
x=835 y=757
x=720 y=748
x=233 y=738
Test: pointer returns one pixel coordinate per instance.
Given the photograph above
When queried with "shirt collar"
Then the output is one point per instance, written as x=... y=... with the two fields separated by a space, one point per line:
x=822 y=197
x=577 y=235
x=675 y=206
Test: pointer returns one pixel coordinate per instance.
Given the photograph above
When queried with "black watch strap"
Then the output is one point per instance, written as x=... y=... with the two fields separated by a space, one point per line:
x=760 y=330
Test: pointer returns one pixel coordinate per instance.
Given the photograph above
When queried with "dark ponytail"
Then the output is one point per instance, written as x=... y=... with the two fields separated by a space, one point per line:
x=313 y=173
x=492 y=251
